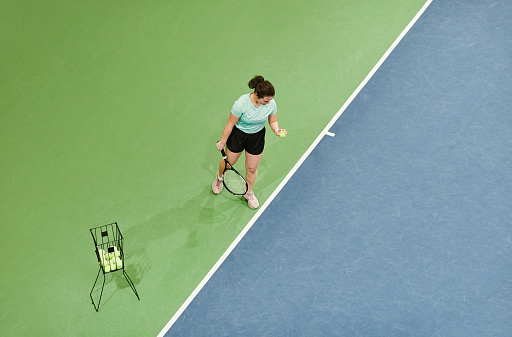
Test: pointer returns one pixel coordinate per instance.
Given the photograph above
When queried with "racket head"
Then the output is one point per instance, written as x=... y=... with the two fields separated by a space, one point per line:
x=234 y=182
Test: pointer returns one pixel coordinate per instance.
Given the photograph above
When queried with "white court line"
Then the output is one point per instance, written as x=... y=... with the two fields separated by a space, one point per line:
x=291 y=173
x=330 y=134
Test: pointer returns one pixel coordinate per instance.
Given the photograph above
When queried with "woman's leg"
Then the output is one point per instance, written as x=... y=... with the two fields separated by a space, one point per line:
x=232 y=159
x=251 y=168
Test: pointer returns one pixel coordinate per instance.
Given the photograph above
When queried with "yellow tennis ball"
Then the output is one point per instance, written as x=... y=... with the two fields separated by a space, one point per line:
x=119 y=263
x=282 y=134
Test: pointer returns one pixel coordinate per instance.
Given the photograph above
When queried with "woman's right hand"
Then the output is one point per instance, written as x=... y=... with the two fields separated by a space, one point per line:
x=220 y=145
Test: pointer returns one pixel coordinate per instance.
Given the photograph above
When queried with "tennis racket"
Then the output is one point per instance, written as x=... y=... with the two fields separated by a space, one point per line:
x=233 y=181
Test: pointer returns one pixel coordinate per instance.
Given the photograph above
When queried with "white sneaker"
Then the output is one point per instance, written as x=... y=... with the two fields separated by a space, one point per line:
x=217 y=185
x=251 y=200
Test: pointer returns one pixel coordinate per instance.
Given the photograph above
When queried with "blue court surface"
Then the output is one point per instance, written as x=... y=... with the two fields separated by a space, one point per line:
x=401 y=223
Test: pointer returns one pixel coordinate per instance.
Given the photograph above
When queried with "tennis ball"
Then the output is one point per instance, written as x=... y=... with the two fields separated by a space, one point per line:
x=282 y=134
x=113 y=265
x=119 y=263
x=106 y=268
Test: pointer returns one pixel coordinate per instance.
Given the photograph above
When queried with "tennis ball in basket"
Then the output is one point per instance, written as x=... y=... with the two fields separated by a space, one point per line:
x=119 y=263
x=106 y=268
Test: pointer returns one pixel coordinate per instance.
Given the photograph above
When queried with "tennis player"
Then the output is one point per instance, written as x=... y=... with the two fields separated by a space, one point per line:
x=245 y=131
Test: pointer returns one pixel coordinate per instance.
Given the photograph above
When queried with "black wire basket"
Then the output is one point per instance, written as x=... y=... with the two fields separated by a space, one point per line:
x=108 y=243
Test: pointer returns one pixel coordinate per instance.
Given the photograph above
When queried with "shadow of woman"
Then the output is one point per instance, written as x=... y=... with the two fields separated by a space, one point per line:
x=180 y=231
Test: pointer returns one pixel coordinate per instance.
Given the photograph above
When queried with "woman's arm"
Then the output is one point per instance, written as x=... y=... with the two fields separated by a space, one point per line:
x=227 y=131
x=274 y=125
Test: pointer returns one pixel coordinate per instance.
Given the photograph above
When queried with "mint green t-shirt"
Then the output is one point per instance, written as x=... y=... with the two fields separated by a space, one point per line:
x=252 y=119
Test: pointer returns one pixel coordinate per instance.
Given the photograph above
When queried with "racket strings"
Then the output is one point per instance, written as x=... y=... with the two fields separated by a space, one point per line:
x=234 y=182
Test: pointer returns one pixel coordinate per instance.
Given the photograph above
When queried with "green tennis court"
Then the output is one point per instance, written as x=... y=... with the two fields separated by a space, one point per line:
x=109 y=111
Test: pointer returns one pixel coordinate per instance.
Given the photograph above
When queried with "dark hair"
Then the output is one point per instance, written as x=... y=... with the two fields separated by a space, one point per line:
x=261 y=87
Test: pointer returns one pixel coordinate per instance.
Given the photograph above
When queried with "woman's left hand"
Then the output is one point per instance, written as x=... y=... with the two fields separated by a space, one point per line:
x=280 y=132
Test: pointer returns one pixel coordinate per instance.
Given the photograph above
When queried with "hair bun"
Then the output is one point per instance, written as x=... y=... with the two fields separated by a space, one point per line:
x=255 y=80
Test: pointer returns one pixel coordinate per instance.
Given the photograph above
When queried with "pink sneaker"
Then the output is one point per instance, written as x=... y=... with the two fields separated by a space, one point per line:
x=217 y=185
x=251 y=199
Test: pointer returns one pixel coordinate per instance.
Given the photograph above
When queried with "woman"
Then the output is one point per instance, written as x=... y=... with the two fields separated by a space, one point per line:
x=245 y=131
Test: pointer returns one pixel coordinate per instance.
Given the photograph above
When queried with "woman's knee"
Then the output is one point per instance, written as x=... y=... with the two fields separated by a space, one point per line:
x=251 y=169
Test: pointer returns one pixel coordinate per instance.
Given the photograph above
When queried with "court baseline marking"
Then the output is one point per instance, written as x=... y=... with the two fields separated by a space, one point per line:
x=324 y=132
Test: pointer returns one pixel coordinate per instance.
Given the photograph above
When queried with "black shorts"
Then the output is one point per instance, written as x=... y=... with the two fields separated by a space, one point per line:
x=253 y=143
